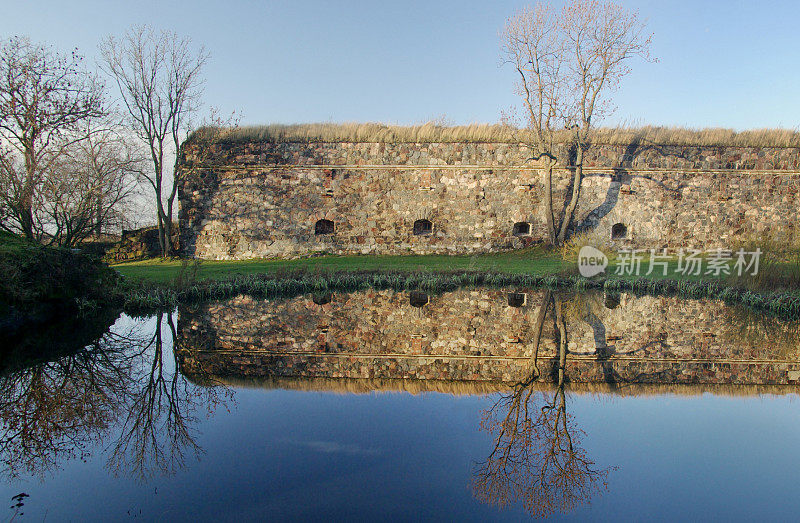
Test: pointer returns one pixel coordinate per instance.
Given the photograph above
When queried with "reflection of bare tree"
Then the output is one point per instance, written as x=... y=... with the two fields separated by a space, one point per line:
x=537 y=457
x=124 y=386
x=158 y=431
x=54 y=410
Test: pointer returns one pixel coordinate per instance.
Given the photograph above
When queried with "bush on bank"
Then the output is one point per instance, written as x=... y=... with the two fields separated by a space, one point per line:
x=38 y=282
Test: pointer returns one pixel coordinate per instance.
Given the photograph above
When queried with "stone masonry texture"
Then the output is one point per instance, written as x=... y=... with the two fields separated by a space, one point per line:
x=474 y=335
x=264 y=199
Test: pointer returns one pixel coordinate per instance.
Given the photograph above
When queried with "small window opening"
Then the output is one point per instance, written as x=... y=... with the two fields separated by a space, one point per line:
x=322 y=299
x=422 y=227
x=619 y=231
x=323 y=227
x=612 y=301
x=417 y=299
x=522 y=229
x=516 y=299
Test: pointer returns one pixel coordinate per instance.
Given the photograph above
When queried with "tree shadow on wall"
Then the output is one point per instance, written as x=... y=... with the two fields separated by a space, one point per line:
x=622 y=177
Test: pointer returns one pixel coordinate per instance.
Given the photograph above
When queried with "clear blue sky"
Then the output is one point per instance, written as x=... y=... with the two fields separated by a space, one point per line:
x=725 y=63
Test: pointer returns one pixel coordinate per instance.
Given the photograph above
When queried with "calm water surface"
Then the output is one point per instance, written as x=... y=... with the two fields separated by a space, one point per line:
x=364 y=406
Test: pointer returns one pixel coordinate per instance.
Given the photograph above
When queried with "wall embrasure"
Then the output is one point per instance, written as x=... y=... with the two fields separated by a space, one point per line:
x=293 y=199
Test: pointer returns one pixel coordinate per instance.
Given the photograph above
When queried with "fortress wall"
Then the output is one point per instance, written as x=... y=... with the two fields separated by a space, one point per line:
x=264 y=199
x=474 y=335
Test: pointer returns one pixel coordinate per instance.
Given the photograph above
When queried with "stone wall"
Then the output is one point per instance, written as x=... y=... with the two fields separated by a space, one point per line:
x=265 y=199
x=139 y=244
x=476 y=336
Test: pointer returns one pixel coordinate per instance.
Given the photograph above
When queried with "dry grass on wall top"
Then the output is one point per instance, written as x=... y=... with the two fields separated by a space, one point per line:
x=492 y=133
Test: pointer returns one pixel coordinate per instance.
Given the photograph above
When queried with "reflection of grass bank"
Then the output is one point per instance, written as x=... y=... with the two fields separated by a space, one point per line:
x=146 y=297
x=48 y=342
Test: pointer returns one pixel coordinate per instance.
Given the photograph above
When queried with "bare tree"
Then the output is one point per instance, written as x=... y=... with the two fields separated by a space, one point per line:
x=533 y=45
x=159 y=78
x=124 y=388
x=44 y=98
x=568 y=62
x=55 y=410
x=89 y=185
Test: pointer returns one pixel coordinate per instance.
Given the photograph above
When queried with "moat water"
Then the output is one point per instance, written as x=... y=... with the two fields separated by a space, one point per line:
x=476 y=404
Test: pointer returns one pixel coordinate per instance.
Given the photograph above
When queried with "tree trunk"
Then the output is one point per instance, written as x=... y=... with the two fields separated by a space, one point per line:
x=548 y=204
x=25 y=210
x=569 y=211
x=26 y=220
x=160 y=213
x=170 y=205
x=168 y=237
x=98 y=226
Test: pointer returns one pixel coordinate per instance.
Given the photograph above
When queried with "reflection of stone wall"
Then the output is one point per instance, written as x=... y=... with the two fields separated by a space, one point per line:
x=263 y=199
x=474 y=335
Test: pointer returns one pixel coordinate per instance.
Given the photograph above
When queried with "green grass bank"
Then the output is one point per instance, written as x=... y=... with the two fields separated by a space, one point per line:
x=535 y=261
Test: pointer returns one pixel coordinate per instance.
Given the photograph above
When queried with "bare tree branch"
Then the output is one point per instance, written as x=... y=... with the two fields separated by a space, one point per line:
x=567 y=62
x=159 y=78
x=44 y=98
